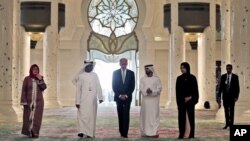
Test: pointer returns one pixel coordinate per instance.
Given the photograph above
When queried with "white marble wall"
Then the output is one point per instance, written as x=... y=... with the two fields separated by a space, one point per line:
x=240 y=53
x=151 y=51
x=72 y=49
x=161 y=59
x=225 y=34
x=176 y=54
x=206 y=62
x=192 y=59
x=50 y=59
x=64 y=53
x=206 y=68
x=8 y=61
x=24 y=54
x=239 y=49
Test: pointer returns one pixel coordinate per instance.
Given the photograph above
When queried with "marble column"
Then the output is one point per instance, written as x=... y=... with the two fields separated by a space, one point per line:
x=9 y=106
x=225 y=34
x=24 y=53
x=201 y=69
x=50 y=59
x=207 y=63
x=240 y=55
x=225 y=45
x=176 y=54
x=24 y=59
x=16 y=82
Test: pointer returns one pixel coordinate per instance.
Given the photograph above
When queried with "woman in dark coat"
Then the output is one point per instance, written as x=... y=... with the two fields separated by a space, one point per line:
x=187 y=95
x=32 y=101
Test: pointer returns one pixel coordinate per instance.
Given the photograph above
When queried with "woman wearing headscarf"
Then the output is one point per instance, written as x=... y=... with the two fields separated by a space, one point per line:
x=33 y=102
x=187 y=96
x=150 y=88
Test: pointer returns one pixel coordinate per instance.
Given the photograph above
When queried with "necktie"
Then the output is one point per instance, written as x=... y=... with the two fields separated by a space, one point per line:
x=123 y=76
x=228 y=83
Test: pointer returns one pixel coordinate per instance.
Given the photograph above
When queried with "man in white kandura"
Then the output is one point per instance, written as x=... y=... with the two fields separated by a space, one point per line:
x=150 y=88
x=88 y=92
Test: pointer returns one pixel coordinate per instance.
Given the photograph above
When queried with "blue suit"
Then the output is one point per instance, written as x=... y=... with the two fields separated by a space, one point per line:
x=123 y=106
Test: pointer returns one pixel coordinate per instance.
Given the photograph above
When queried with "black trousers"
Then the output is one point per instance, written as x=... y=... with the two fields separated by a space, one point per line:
x=123 y=109
x=190 y=109
x=229 y=111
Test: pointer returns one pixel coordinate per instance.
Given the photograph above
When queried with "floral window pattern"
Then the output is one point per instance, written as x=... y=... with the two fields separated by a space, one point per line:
x=118 y=16
x=113 y=23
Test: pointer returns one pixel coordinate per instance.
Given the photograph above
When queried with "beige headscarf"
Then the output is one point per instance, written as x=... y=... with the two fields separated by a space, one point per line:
x=82 y=70
x=151 y=67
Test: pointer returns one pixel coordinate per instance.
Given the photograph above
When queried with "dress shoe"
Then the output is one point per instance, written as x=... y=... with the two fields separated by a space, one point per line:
x=180 y=137
x=35 y=136
x=155 y=136
x=146 y=136
x=87 y=137
x=80 y=135
x=31 y=134
x=124 y=136
x=225 y=127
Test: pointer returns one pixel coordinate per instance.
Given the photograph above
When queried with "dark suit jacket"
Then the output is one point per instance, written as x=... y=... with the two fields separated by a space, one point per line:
x=186 y=85
x=234 y=88
x=126 y=88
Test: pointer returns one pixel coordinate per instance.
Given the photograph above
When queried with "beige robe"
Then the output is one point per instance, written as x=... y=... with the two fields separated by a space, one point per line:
x=149 y=113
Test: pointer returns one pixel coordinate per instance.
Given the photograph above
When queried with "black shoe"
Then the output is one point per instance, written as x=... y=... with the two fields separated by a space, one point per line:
x=35 y=137
x=225 y=127
x=125 y=136
x=31 y=134
x=80 y=135
x=180 y=137
x=87 y=137
x=155 y=136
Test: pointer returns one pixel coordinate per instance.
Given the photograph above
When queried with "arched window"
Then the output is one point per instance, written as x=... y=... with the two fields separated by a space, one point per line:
x=113 y=23
x=118 y=16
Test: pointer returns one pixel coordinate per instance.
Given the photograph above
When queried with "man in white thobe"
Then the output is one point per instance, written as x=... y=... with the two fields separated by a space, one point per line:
x=88 y=92
x=150 y=88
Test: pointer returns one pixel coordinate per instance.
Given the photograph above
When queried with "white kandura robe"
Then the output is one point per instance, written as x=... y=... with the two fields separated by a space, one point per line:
x=150 y=109
x=89 y=91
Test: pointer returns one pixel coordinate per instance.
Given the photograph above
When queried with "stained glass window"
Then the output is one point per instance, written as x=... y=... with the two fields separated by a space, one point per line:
x=117 y=17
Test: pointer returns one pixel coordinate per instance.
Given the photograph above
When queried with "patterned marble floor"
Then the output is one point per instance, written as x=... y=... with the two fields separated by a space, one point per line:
x=60 y=125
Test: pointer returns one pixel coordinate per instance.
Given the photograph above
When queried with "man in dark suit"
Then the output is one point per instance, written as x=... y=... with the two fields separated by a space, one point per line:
x=229 y=89
x=123 y=85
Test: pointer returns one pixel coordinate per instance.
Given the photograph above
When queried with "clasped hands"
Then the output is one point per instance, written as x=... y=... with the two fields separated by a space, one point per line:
x=188 y=99
x=123 y=97
x=149 y=91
